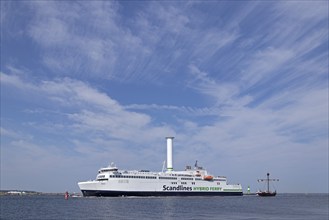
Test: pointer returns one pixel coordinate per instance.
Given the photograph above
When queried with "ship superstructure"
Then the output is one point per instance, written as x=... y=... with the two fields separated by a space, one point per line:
x=196 y=181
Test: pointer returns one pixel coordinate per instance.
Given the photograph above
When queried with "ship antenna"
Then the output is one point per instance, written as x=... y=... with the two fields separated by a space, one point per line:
x=163 y=165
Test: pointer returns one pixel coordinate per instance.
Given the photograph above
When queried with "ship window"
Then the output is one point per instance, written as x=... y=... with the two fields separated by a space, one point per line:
x=219 y=180
x=168 y=178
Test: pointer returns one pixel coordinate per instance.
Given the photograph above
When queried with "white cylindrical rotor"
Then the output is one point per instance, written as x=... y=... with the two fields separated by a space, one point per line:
x=169 y=153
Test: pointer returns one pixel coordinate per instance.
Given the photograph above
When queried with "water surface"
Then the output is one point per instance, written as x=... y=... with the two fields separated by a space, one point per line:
x=283 y=206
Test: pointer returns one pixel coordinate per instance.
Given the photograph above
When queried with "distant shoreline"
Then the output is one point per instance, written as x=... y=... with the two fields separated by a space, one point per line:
x=33 y=193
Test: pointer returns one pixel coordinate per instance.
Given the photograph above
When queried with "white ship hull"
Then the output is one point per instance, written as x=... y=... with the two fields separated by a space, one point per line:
x=111 y=181
x=156 y=187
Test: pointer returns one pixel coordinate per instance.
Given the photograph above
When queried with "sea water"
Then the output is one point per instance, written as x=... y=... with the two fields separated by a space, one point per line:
x=283 y=206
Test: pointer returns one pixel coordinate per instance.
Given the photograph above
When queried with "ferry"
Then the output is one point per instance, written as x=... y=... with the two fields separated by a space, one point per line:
x=113 y=182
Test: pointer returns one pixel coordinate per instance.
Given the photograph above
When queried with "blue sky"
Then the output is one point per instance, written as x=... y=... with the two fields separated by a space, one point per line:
x=242 y=85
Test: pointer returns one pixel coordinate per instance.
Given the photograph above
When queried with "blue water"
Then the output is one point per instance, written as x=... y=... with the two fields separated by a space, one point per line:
x=283 y=206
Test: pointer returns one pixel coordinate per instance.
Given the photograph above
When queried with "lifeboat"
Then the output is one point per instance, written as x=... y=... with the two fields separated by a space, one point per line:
x=208 y=177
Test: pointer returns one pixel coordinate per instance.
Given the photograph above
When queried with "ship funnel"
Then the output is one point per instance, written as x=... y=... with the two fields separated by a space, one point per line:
x=169 y=153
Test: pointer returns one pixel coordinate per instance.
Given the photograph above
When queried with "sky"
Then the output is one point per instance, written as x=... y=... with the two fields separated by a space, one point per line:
x=241 y=85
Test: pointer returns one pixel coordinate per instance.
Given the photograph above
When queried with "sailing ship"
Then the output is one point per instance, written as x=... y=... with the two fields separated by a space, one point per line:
x=267 y=192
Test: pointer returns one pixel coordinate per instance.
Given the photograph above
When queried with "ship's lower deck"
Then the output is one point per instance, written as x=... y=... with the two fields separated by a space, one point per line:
x=108 y=193
x=158 y=187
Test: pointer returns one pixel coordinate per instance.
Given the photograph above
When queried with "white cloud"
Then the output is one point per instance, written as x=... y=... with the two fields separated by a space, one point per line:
x=8 y=133
x=224 y=93
x=207 y=44
x=91 y=38
x=85 y=38
x=312 y=10
x=73 y=92
x=172 y=19
x=14 y=80
x=306 y=117
x=92 y=109
x=264 y=63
